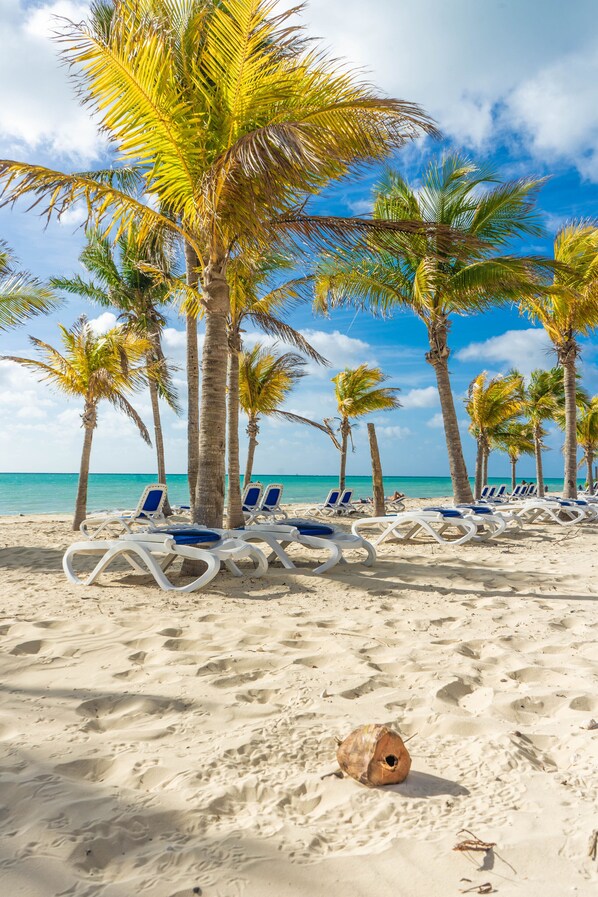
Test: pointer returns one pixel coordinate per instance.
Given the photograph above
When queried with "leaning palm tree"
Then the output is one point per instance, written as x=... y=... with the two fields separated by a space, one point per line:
x=431 y=276
x=567 y=310
x=587 y=437
x=94 y=368
x=515 y=439
x=358 y=392
x=224 y=117
x=254 y=299
x=265 y=381
x=492 y=404
x=21 y=295
x=544 y=399
x=124 y=278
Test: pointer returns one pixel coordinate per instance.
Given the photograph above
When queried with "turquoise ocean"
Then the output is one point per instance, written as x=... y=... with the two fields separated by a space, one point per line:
x=54 y=493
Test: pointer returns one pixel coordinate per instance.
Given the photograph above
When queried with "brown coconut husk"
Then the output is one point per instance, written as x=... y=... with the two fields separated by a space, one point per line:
x=374 y=755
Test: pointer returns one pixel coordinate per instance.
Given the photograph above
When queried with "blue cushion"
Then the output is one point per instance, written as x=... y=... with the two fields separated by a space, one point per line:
x=152 y=502
x=192 y=536
x=446 y=512
x=307 y=528
x=478 y=509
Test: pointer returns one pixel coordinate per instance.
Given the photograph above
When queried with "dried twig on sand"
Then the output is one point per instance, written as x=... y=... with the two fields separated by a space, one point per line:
x=593 y=849
x=485 y=888
x=473 y=843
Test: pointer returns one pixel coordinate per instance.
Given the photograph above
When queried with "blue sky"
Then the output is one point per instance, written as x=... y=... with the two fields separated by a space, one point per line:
x=509 y=82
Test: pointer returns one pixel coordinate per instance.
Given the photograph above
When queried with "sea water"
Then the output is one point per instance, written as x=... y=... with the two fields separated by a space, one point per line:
x=54 y=493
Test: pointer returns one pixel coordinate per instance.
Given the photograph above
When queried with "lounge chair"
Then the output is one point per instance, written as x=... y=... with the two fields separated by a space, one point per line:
x=407 y=524
x=327 y=508
x=251 y=500
x=149 y=507
x=544 y=510
x=490 y=519
x=152 y=552
x=345 y=505
x=488 y=493
x=311 y=533
x=270 y=504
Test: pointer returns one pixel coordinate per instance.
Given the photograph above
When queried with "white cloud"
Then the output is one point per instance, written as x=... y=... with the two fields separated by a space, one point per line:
x=394 y=432
x=103 y=323
x=39 y=107
x=420 y=398
x=524 y=350
x=436 y=422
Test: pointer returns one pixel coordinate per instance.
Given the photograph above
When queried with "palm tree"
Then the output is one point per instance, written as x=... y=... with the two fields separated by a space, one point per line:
x=122 y=282
x=358 y=392
x=253 y=299
x=223 y=116
x=265 y=380
x=567 y=310
x=515 y=439
x=544 y=398
x=491 y=405
x=95 y=368
x=436 y=277
x=21 y=295
x=587 y=437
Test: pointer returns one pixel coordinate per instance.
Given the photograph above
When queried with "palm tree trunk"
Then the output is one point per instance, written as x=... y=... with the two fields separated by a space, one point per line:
x=158 y=435
x=90 y=421
x=438 y=357
x=345 y=430
x=538 y=454
x=486 y=459
x=513 y=473
x=234 y=510
x=567 y=359
x=479 y=469
x=590 y=460
x=252 y=431
x=192 y=263
x=377 y=479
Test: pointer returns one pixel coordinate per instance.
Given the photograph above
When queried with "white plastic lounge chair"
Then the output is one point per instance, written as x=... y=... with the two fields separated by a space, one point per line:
x=488 y=492
x=327 y=508
x=251 y=499
x=407 y=524
x=155 y=552
x=345 y=505
x=543 y=510
x=149 y=507
x=270 y=503
x=490 y=521
x=310 y=533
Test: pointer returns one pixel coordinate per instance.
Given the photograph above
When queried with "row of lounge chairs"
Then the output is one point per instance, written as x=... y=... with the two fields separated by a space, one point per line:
x=499 y=493
x=150 y=542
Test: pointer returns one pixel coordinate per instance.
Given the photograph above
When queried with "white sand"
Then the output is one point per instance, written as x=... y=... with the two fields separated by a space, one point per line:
x=153 y=743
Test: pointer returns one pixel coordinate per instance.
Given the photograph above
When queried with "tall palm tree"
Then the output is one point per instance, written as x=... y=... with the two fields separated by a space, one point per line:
x=122 y=282
x=21 y=295
x=358 y=392
x=435 y=277
x=254 y=300
x=491 y=405
x=587 y=437
x=567 y=310
x=227 y=118
x=265 y=380
x=95 y=368
x=544 y=398
x=515 y=439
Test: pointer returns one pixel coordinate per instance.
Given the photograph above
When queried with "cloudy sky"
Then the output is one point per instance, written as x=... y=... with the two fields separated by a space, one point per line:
x=508 y=82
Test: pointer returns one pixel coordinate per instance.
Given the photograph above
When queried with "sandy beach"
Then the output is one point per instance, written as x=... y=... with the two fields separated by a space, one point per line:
x=171 y=745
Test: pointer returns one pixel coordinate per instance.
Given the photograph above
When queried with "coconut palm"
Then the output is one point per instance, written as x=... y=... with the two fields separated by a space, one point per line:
x=587 y=437
x=492 y=404
x=568 y=310
x=431 y=276
x=21 y=295
x=543 y=400
x=254 y=300
x=225 y=116
x=515 y=439
x=358 y=392
x=265 y=381
x=95 y=368
x=122 y=282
